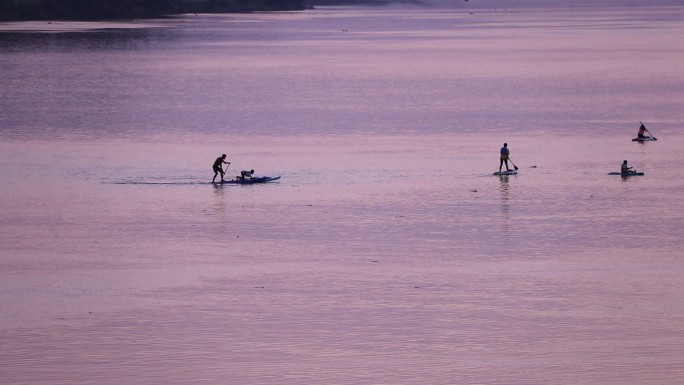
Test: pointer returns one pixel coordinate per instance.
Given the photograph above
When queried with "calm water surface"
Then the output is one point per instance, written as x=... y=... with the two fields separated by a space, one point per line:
x=387 y=253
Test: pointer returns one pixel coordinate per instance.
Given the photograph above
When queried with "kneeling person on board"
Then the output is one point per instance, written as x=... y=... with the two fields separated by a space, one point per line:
x=218 y=167
x=642 y=130
x=504 y=157
x=625 y=169
x=246 y=174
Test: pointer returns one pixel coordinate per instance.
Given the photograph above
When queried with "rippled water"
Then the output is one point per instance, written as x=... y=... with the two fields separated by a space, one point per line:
x=387 y=253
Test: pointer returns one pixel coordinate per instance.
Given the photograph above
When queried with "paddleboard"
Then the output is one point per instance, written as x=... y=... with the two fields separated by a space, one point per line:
x=261 y=179
x=512 y=172
x=644 y=139
x=630 y=174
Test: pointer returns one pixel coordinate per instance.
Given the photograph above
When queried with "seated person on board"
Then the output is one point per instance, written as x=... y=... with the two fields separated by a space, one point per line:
x=625 y=169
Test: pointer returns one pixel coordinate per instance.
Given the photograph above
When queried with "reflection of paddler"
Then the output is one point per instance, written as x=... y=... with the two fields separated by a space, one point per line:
x=504 y=157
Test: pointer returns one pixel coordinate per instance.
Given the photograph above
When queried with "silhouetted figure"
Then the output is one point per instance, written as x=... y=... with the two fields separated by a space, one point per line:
x=246 y=174
x=218 y=167
x=642 y=130
x=504 y=157
x=625 y=169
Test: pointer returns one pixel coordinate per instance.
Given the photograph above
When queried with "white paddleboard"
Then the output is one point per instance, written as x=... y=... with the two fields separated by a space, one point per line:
x=512 y=172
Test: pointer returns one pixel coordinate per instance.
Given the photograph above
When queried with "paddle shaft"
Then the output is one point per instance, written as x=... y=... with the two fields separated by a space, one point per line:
x=653 y=136
x=224 y=171
x=514 y=166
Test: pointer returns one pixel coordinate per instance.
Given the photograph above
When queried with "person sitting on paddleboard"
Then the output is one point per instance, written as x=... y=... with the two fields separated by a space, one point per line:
x=625 y=169
x=504 y=157
x=218 y=167
x=642 y=130
x=246 y=174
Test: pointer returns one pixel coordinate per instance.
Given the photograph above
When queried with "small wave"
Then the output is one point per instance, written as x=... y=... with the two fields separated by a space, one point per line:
x=157 y=183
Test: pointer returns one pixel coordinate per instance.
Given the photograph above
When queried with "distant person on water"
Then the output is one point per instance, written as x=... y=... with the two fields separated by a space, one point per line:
x=642 y=131
x=246 y=174
x=625 y=169
x=504 y=157
x=218 y=167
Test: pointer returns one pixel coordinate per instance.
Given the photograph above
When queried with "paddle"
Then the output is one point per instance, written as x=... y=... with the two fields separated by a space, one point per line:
x=649 y=132
x=224 y=171
x=514 y=166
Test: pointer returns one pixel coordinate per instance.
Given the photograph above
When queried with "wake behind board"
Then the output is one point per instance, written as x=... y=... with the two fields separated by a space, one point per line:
x=626 y=174
x=511 y=172
x=261 y=179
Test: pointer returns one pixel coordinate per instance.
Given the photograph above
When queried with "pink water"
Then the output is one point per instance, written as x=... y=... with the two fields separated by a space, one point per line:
x=387 y=253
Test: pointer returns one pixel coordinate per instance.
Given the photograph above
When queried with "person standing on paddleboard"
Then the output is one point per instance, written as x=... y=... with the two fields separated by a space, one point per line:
x=503 y=158
x=218 y=167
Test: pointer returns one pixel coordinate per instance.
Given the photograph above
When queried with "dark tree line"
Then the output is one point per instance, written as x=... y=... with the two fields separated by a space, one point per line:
x=132 y=9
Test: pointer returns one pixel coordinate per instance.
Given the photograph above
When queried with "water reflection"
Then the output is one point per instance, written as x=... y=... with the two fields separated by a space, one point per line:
x=188 y=281
x=91 y=41
x=505 y=205
x=292 y=75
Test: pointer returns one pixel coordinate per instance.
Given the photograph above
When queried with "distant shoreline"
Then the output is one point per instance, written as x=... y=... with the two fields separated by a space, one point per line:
x=101 y=10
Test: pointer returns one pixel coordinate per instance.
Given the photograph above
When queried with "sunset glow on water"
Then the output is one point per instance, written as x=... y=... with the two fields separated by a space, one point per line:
x=387 y=253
